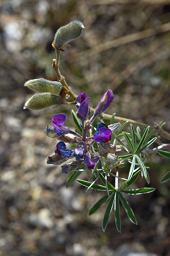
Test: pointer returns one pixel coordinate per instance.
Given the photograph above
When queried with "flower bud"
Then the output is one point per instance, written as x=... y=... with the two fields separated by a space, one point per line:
x=82 y=104
x=51 y=131
x=42 y=100
x=44 y=85
x=103 y=104
x=67 y=33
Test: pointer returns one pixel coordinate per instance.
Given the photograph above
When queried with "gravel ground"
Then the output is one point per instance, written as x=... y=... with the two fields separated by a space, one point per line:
x=39 y=215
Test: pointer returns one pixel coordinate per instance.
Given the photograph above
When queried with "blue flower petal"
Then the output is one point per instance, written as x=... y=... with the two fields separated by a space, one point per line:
x=58 y=119
x=104 y=103
x=79 y=151
x=82 y=104
x=58 y=122
x=103 y=134
x=91 y=162
x=62 y=150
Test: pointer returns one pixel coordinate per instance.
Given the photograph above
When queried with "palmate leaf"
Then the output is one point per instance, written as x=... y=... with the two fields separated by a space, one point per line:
x=128 y=209
x=108 y=211
x=76 y=120
x=98 y=204
x=165 y=177
x=138 y=140
x=139 y=191
x=117 y=212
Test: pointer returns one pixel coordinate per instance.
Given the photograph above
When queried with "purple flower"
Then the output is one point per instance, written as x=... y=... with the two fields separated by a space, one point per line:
x=58 y=122
x=104 y=103
x=63 y=151
x=103 y=134
x=79 y=151
x=82 y=104
x=91 y=161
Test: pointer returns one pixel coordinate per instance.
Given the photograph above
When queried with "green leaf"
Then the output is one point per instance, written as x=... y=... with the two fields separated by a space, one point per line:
x=132 y=167
x=93 y=182
x=73 y=175
x=138 y=132
x=165 y=177
x=128 y=209
x=126 y=156
x=98 y=204
x=134 y=136
x=164 y=153
x=143 y=169
x=143 y=139
x=76 y=120
x=149 y=143
x=133 y=178
x=44 y=85
x=108 y=212
x=139 y=191
x=129 y=142
x=103 y=180
x=86 y=184
x=117 y=212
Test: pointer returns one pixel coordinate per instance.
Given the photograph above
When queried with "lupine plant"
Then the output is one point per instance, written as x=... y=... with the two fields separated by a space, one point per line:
x=99 y=146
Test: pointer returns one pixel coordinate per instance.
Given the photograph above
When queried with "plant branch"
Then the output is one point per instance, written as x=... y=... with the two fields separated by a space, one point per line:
x=70 y=97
